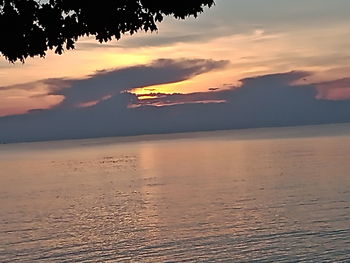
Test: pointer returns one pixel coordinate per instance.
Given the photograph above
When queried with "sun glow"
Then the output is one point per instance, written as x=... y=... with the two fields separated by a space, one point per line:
x=168 y=88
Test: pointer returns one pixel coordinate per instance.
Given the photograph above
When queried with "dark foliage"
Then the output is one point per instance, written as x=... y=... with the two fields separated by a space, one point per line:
x=31 y=27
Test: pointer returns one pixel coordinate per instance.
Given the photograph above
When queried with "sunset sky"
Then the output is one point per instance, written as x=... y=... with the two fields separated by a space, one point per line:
x=232 y=46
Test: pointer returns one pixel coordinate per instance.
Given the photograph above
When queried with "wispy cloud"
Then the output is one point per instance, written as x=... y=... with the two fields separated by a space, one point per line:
x=110 y=82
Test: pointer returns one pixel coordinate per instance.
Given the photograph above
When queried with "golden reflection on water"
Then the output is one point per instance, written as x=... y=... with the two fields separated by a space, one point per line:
x=207 y=198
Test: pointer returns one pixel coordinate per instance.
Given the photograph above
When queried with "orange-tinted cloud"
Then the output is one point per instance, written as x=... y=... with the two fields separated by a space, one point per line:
x=264 y=101
x=334 y=90
x=88 y=91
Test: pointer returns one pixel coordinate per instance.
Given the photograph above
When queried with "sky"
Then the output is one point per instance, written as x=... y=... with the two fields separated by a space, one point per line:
x=240 y=64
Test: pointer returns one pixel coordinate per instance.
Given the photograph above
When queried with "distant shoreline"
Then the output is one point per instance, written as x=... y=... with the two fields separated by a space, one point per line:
x=239 y=134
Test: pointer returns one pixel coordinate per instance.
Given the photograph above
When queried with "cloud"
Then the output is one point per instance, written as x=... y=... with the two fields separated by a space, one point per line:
x=270 y=100
x=106 y=83
x=163 y=99
x=334 y=90
x=147 y=40
x=111 y=82
x=252 y=87
x=237 y=17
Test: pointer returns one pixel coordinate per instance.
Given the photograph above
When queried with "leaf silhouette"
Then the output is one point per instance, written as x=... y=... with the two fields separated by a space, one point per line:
x=31 y=27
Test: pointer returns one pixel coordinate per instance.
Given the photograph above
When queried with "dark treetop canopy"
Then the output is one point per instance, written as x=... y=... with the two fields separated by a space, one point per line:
x=31 y=27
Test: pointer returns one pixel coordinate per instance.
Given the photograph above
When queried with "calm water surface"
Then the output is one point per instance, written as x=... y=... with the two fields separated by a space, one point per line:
x=271 y=195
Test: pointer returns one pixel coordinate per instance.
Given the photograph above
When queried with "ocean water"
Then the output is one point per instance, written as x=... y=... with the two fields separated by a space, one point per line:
x=264 y=195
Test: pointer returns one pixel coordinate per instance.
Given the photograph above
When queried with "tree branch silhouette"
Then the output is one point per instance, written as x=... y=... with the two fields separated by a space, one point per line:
x=31 y=27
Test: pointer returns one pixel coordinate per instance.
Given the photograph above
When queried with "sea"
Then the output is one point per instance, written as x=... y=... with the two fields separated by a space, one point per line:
x=258 y=195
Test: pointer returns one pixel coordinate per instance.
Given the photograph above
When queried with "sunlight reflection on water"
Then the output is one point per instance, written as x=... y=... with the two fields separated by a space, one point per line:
x=198 y=199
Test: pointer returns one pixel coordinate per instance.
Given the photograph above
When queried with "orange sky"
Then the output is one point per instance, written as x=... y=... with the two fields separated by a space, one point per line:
x=277 y=38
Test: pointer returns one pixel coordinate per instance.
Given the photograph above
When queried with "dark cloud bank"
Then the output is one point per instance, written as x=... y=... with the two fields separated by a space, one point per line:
x=262 y=101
